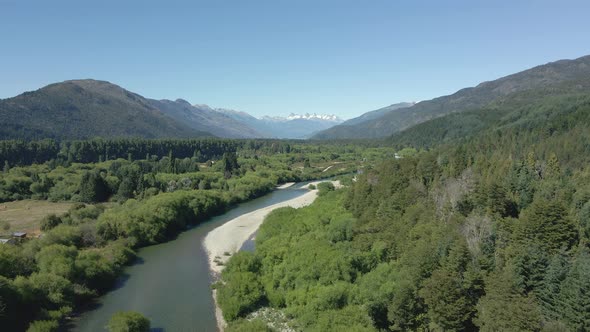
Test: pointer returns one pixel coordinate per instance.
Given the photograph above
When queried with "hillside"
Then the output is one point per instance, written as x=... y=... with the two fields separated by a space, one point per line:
x=547 y=77
x=204 y=118
x=342 y=130
x=520 y=111
x=83 y=109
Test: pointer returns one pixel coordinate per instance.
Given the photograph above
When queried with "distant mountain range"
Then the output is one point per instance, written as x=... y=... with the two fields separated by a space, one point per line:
x=293 y=126
x=81 y=109
x=547 y=77
x=204 y=118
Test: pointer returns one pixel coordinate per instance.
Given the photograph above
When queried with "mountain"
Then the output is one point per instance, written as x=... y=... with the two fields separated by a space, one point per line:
x=553 y=110
x=314 y=116
x=342 y=130
x=80 y=109
x=376 y=114
x=294 y=126
x=204 y=118
x=541 y=77
x=299 y=125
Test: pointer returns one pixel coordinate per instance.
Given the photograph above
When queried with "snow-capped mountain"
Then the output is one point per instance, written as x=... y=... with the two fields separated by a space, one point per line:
x=314 y=116
x=291 y=126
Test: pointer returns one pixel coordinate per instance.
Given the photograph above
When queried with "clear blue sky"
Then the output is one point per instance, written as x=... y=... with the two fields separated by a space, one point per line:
x=275 y=57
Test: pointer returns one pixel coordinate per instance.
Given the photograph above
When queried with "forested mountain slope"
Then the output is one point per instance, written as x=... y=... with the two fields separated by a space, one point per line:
x=343 y=130
x=520 y=111
x=545 y=77
x=85 y=109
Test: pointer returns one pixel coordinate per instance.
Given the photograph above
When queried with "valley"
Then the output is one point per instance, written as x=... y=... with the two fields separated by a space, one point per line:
x=295 y=166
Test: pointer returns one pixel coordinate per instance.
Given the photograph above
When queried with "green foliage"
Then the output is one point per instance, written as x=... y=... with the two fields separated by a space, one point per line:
x=489 y=234
x=50 y=221
x=14 y=262
x=547 y=224
x=43 y=326
x=505 y=308
x=243 y=325
x=324 y=188
x=241 y=294
x=128 y=321
x=82 y=252
x=57 y=259
x=93 y=188
x=229 y=164
x=159 y=217
x=574 y=297
x=450 y=294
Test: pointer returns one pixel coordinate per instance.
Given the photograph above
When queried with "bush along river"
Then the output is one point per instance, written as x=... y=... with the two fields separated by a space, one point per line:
x=170 y=283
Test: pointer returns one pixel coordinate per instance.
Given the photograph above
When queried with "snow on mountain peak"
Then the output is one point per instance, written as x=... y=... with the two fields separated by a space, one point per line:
x=314 y=116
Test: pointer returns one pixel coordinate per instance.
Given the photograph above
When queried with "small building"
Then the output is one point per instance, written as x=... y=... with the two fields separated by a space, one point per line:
x=19 y=235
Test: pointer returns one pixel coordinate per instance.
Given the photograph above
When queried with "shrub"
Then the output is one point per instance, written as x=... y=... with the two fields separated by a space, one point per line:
x=43 y=326
x=128 y=321
x=50 y=222
x=325 y=187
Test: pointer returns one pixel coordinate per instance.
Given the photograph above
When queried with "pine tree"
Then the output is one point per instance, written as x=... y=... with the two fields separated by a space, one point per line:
x=505 y=307
x=230 y=164
x=548 y=293
x=547 y=224
x=93 y=188
x=450 y=294
x=553 y=169
x=574 y=299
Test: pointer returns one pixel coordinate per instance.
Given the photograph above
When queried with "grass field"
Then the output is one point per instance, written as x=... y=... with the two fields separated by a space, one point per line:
x=26 y=216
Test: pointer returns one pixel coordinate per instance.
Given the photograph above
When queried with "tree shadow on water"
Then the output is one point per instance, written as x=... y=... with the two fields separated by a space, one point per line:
x=157 y=329
x=120 y=282
x=137 y=261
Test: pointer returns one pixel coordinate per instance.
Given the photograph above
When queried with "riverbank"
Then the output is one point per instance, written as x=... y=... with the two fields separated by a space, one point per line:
x=225 y=240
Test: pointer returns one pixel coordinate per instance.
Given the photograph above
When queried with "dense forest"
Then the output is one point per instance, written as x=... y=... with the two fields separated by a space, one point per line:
x=127 y=194
x=486 y=228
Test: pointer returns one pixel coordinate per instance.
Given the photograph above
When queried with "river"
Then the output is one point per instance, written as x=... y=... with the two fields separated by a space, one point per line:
x=170 y=282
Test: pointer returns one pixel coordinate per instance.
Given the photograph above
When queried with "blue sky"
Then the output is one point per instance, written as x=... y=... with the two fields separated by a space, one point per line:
x=275 y=57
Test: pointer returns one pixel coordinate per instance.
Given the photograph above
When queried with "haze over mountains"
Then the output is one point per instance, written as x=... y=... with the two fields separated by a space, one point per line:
x=81 y=109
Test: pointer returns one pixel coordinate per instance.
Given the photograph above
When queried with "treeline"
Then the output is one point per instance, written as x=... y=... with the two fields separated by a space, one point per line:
x=122 y=179
x=21 y=153
x=490 y=233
